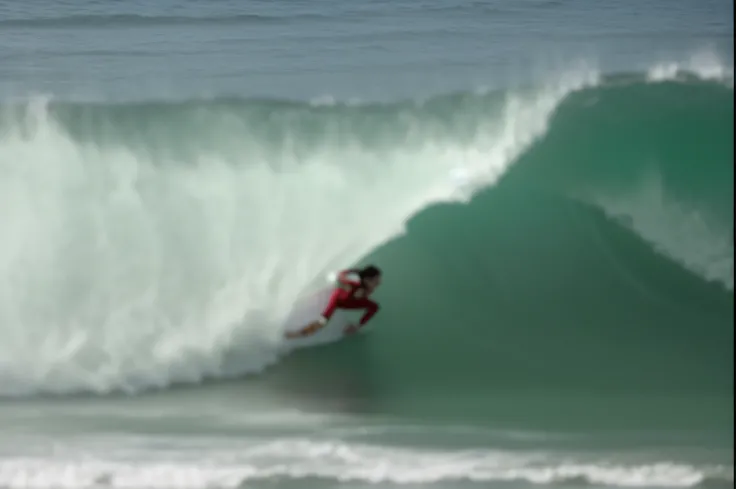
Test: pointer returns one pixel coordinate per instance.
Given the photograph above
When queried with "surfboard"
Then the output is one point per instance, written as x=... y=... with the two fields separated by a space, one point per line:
x=309 y=308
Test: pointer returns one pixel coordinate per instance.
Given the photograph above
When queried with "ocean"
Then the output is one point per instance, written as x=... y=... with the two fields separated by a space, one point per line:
x=546 y=184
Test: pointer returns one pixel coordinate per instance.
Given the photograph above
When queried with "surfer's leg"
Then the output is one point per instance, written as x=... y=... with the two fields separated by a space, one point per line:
x=320 y=323
x=371 y=308
x=332 y=305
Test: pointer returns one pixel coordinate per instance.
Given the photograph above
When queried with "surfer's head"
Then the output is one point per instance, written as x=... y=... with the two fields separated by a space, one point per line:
x=370 y=276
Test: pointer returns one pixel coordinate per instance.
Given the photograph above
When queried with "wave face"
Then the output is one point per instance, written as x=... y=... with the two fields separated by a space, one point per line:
x=585 y=241
x=600 y=263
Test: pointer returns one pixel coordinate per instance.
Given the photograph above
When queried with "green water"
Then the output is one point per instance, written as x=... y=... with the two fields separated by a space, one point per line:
x=531 y=306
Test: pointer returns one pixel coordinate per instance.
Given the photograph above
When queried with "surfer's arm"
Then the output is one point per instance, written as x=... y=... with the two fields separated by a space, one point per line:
x=343 y=278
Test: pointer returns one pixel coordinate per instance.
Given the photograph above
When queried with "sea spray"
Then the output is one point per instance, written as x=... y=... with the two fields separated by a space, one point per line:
x=146 y=242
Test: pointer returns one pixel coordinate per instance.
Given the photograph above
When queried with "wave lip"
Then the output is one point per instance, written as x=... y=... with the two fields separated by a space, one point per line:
x=702 y=65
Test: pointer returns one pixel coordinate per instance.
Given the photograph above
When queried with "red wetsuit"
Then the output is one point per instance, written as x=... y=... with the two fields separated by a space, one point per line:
x=350 y=295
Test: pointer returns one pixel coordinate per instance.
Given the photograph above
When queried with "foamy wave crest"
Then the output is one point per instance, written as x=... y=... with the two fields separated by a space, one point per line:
x=199 y=465
x=127 y=266
x=705 y=65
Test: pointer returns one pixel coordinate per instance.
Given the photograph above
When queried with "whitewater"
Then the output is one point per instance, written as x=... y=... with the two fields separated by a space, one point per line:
x=147 y=245
x=133 y=261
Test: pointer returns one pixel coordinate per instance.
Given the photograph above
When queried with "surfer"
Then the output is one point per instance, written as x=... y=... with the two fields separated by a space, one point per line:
x=349 y=294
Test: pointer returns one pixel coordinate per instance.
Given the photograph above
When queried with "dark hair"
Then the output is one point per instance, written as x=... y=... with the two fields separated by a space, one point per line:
x=370 y=271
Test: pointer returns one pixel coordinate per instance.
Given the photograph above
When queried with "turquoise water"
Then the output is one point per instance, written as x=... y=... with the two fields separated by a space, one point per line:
x=547 y=185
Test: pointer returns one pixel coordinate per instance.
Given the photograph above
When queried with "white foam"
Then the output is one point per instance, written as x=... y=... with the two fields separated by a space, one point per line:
x=706 y=65
x=122 y=270
x=221 y=464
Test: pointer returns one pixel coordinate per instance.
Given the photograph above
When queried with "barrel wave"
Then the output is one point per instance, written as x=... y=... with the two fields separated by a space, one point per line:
x=574 y=237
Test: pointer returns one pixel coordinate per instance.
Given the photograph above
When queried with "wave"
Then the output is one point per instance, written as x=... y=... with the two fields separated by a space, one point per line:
x=324 y=462
x=155 y=243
